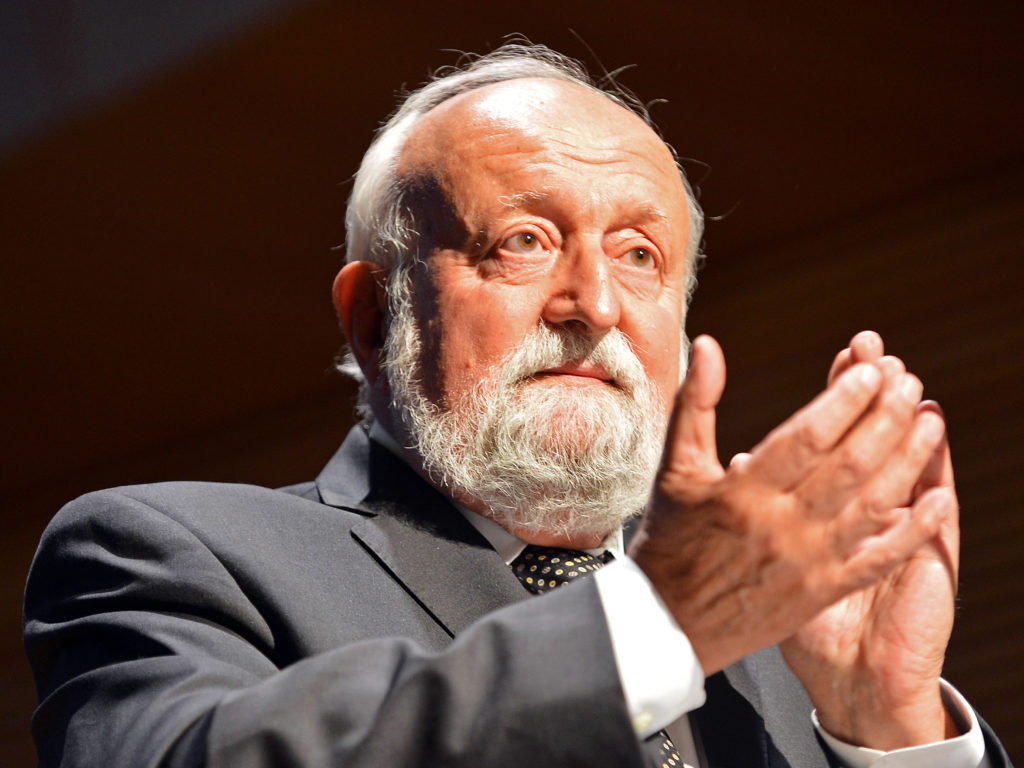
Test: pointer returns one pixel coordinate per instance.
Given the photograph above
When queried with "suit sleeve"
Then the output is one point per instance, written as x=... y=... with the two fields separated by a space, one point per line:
x=149 y=651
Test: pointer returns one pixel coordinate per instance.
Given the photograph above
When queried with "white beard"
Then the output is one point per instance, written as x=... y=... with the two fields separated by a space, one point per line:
x=539 y=456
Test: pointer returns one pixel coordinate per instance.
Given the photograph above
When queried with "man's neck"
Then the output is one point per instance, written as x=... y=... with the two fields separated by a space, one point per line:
x=544 y=539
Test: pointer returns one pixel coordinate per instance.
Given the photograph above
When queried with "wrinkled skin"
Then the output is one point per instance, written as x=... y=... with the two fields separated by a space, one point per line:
x=836 y=536
x=893 y=633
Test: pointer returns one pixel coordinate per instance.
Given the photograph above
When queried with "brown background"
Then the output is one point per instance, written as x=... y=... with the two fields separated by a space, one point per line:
x=167 y=251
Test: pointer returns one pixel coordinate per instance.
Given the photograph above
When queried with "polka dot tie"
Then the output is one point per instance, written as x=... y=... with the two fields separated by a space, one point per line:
x=541 y=569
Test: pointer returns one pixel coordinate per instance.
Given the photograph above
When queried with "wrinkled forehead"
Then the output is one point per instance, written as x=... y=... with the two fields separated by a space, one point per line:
x=527 y=115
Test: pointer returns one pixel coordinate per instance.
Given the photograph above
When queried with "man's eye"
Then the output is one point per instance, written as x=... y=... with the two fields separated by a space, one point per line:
x=524 y=242
x=640 y=257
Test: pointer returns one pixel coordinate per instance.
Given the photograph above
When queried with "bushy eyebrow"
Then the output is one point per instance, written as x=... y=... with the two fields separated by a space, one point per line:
x=651 y=212
x=641 y=212
x=522 y=199
x=516 y=201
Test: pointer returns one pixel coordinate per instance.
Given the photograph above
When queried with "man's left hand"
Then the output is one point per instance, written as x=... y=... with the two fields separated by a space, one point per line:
x=871 y=662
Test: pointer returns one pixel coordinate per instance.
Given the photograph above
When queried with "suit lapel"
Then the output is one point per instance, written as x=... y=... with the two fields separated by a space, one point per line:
x=456 y=581
x=417 y=535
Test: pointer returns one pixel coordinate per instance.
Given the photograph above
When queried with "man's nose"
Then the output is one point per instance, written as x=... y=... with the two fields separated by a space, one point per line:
x=583 y=289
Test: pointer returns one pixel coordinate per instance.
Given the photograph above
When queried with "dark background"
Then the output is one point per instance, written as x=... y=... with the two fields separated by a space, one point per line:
x=172 y=183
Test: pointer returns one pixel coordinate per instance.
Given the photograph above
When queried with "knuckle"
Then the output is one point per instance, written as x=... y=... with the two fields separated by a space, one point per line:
x=734 y=515
x=892 y=366
x=810 y=438
x=871 y=566
x=855 y=464
x=917 y=452
x=687 y=460
x=895 y=408
x=860 y=381
x=676 y=488
x=876 y=509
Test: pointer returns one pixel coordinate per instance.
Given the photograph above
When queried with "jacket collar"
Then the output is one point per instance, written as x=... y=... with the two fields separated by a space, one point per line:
x=416 y=534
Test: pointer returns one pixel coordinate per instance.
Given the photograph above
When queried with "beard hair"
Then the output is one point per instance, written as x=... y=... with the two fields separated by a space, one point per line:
x=540 y=457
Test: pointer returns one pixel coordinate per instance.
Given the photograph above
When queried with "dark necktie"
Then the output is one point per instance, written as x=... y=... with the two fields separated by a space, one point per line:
x=541 y=569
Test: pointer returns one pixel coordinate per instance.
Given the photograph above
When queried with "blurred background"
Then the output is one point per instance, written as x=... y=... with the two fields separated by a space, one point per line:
x=172 y=185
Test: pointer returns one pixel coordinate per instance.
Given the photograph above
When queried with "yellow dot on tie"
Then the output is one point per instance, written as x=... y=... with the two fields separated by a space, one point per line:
x=558 y=572
x=529 y=579
x=542 y=557
x=552 y=583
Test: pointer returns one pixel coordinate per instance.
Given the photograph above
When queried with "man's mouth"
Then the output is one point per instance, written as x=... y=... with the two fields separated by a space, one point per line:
x=582 y=370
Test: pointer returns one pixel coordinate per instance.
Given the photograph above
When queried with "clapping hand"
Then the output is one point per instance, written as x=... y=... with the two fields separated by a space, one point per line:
x=836 y=534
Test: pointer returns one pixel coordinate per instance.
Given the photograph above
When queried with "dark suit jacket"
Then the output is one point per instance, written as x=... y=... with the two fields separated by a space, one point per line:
x=355 y=621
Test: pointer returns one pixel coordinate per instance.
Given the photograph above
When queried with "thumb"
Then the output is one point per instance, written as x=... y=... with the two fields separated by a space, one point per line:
x=692 y=448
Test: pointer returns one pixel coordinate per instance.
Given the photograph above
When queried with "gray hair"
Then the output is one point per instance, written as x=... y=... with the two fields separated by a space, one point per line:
x=380 y=225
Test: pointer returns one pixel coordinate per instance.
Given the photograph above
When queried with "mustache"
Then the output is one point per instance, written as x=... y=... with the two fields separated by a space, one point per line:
x=547 y=348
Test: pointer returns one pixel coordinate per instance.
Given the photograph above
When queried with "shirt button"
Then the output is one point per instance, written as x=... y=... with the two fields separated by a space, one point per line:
x=642 y=721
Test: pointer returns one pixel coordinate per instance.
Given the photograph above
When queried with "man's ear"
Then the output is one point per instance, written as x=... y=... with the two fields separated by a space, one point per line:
x=358 y=300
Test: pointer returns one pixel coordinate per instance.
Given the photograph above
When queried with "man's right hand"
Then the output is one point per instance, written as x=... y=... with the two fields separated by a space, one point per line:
x=745 y=556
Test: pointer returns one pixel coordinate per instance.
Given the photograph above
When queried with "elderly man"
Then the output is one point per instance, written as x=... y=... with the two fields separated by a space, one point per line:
x=521 y=251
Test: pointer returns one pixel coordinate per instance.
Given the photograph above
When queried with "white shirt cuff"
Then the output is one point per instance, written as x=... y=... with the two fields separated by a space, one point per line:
x=966 y=751
x=659 y=671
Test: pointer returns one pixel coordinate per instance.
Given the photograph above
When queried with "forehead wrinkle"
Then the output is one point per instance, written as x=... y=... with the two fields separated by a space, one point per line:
x=636 y=211
x=578 y=161
x=585 y=148
x=542 y=144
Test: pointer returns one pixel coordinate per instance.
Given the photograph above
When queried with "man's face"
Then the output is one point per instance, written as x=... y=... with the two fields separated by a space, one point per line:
x=564 y=209
x=547 y=210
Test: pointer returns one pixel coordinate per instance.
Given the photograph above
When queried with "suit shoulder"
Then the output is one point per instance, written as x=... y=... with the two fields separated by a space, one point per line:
x=173 y=494
x=201 y=507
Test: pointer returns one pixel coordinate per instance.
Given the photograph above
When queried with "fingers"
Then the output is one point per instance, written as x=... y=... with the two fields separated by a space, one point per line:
x=890 y=490
x=876 y=440
x=842 y=363
x=912 y=529
x=813 y=436
x=939 y=471
x=834 y=499
x=865 y=347
x=692 y=450
x=706 y=377
x=794 y=449
x=939 y=474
